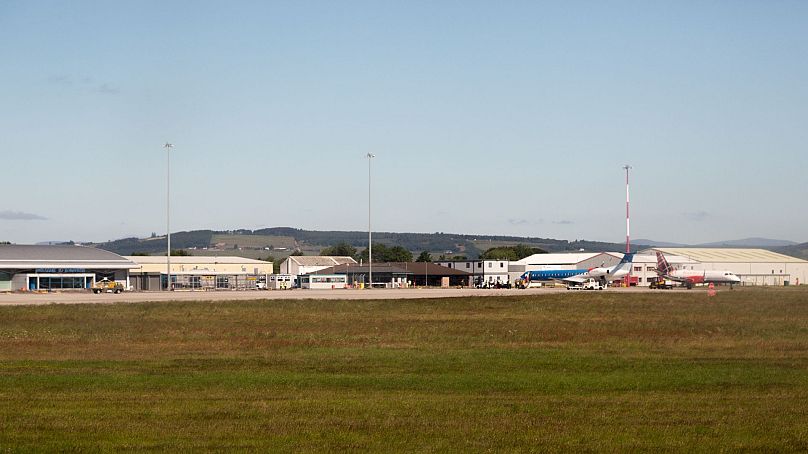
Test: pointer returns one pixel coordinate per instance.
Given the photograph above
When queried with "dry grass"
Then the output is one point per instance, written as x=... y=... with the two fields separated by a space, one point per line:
x=584 y=371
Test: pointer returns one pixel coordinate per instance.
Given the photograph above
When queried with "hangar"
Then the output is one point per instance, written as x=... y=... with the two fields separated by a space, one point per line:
x=198 y=272
x=400 y=274
x=753 y=266
x=307 y=264
x=59 y=267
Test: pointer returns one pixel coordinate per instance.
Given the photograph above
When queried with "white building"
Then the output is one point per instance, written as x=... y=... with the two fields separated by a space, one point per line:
x=482 y=271
x=198 y=272
x=753 y=266
x=323 y=281
x=297 y=265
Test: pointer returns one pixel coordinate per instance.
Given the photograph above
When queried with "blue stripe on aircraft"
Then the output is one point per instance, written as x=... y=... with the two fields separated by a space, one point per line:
x=549 y=275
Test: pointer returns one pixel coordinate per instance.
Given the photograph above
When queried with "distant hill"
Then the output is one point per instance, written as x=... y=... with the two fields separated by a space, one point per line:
x=796 y=250
x=750 y=242
x=654 y=243
x=281 y=241
x=764 y=243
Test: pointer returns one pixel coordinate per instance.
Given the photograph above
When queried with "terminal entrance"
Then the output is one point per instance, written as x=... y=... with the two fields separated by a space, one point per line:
x=60 y=281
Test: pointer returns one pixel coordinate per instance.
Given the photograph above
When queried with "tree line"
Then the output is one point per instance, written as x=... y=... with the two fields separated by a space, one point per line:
x=384 y=253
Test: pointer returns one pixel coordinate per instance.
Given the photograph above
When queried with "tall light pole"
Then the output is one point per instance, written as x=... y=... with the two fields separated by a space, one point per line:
x=370 y=157
x=168 y=148
x=628 y=229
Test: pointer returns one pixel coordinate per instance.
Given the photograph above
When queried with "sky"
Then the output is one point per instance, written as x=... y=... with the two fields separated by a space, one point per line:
x=511 y=118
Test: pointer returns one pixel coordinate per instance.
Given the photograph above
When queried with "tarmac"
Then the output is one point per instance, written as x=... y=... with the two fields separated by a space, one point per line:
x=82 y=297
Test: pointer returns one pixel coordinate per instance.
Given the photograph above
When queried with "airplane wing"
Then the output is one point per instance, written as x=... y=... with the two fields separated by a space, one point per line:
x=674 y=278
x=578 y=279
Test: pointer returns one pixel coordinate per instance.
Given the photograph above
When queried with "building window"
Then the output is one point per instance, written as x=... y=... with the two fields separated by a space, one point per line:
x=502 y=265
x=637 y=268
x=468 y=265
x=222 y=282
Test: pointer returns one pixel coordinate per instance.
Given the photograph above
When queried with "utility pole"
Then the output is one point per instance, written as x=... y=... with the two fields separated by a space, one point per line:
x=168 y=148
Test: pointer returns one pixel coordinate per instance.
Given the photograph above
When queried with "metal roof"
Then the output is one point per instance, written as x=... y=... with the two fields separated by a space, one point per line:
x=18 y=256
x=418 y=268
x=728 y=255
x=193 y=260
x=557 y=259
x=320 y=260
x=672 y=259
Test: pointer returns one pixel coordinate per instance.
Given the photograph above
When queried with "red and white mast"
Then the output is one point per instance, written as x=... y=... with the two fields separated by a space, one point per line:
x=628 y=223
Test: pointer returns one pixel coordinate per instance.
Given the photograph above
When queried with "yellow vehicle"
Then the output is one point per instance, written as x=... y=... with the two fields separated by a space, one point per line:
x=107 y=286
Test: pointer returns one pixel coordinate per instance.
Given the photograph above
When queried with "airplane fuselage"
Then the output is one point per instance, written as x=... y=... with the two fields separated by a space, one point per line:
x=700 y=277
x=550 y=275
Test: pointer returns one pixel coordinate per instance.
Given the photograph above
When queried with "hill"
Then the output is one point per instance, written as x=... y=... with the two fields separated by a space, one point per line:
x=751 y=242
x=282 y=241
x=796 y=250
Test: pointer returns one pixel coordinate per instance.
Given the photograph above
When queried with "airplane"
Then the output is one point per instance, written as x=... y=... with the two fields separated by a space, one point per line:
x=600 y=273
x=690 y=277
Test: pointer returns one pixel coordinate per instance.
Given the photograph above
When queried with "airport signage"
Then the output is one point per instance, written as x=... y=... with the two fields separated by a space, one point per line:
x=60 y=270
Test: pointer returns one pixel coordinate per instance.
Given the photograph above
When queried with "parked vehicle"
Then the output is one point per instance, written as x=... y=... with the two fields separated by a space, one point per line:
x=589 y=284
x=107 y=286
x=662 y=284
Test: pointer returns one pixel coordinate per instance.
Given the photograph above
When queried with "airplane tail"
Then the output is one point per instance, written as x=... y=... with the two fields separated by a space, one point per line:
x=663 y=267
x=625 y=263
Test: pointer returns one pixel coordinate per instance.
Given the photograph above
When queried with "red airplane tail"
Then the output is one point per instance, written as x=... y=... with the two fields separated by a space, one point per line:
x=663 y=267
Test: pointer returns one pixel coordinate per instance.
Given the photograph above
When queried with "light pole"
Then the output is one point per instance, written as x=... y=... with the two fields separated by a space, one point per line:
x=628 y=229
x=168 y=148
x=370 y=157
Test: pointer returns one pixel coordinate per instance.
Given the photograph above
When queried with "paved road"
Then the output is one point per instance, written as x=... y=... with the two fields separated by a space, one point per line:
x=10 y=299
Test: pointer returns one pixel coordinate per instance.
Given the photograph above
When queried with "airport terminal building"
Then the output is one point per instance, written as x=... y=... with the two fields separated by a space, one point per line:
x=62 y=267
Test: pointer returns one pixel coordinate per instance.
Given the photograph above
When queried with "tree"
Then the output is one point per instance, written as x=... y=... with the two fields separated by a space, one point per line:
x=382 y=253
x=512 y=253
x=424 y=257
x=398 y=254
x=179 y=253
x=142 y=254
x=297 y=252
x=341 y=249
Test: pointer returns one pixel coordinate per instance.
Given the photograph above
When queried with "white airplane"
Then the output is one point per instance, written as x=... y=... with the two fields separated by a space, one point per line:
x=690 y=277
x=606 y=275
x=600 y=273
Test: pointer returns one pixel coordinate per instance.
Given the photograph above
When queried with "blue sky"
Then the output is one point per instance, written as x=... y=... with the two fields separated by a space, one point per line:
x=486 y=117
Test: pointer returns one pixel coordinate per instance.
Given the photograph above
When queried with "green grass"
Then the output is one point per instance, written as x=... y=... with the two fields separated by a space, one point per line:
x=604 y=371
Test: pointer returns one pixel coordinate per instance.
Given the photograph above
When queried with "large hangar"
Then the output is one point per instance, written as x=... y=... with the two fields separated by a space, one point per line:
x=753 y=266
x=198 y=272
x=59 y=267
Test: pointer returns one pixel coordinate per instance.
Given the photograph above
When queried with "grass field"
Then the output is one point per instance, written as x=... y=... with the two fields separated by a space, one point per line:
x=599 y=371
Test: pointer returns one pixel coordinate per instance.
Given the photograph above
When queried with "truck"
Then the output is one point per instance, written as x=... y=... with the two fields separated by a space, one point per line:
x=524 y=283
x=107 y=286
x=662 y=283
x=589 y=284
